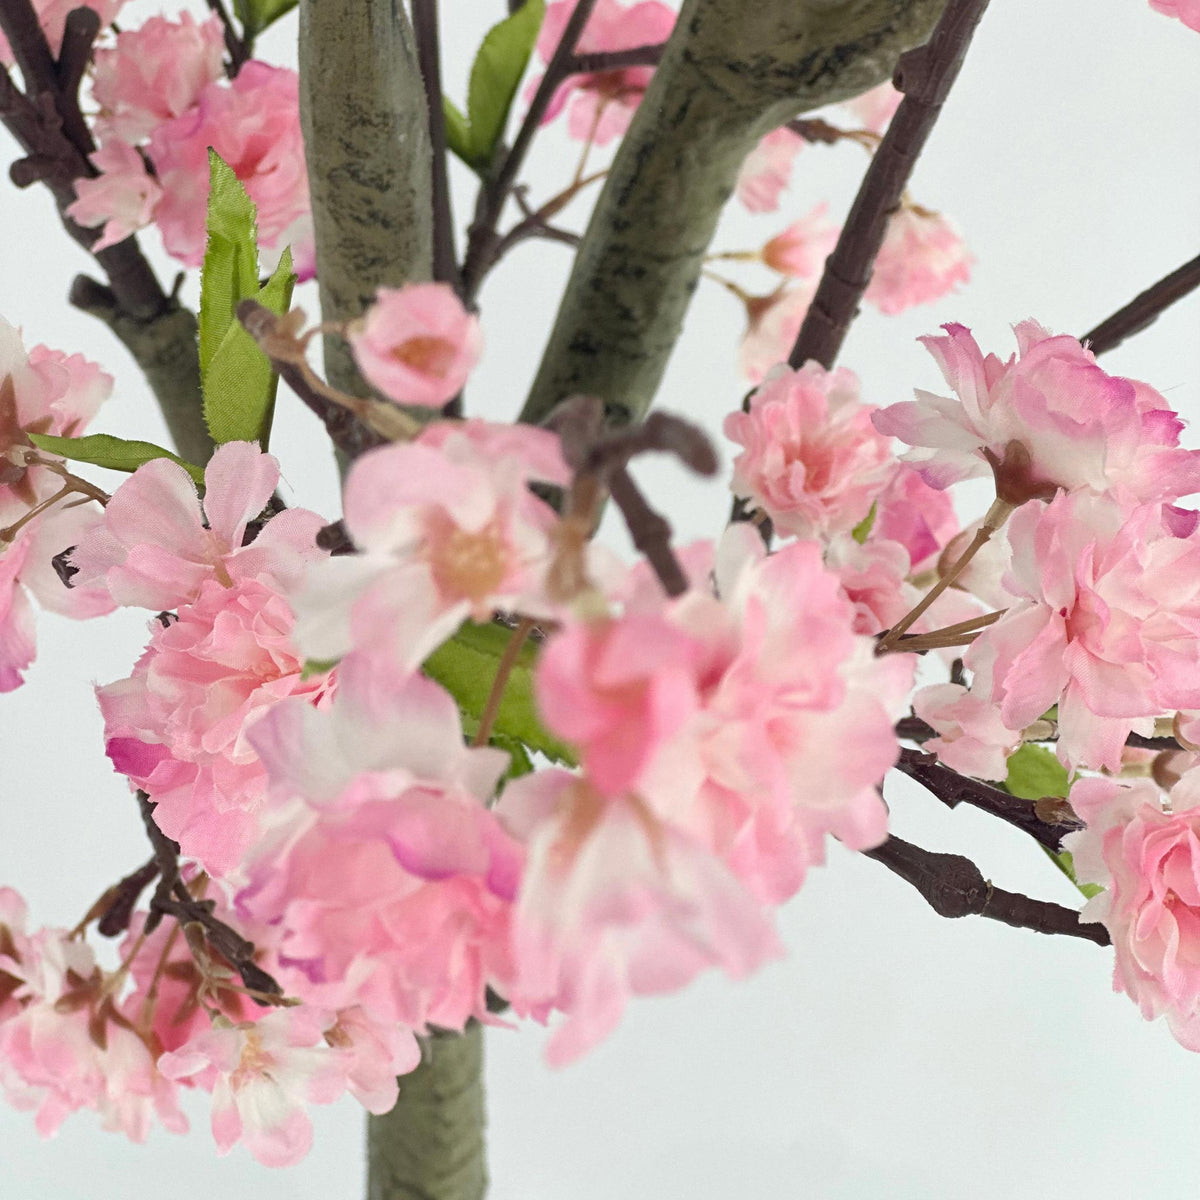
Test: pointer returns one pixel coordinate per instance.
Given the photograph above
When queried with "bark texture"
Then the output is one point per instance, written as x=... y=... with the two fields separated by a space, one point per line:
x=366 y=138
x=731 y=72
x=430 y=1146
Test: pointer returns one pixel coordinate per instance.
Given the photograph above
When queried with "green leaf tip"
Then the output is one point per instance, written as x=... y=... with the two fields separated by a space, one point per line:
x=117 y=454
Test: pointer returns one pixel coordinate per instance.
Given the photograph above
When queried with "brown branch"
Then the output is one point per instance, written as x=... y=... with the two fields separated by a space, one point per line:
x=650 y=531
x=925 y=76
x=953 y=789
x=954 y=887
x=483 y=236
x=425 y=32
x=235 y=45
x=122 y=899
x=1144 y=309
x=615 y=60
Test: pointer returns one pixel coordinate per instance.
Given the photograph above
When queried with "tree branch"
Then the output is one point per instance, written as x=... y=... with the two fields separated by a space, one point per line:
x=366 y=140
x=731 y=72
x=615 y=60
x=425 y=29
x=1144 y=309
x=954 y=887
x=925 y=76
x=235 y=44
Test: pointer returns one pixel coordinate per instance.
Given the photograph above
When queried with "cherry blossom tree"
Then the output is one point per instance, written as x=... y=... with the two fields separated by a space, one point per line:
x=443 y=758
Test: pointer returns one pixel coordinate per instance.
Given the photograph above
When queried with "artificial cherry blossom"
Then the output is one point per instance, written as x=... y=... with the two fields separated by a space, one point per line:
x=122 y=197
x=768 y=169
x=1187 y=11
x=922 y=259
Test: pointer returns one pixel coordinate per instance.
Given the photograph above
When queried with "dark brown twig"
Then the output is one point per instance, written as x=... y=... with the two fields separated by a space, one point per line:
x=1144 y=309
x=425 y=31
x=123 y=897
x=615 y=60
x=925 y=76
x=483 y=236
x=953 y=789
x=237 y=47
x=954 y=887
x=650 y=531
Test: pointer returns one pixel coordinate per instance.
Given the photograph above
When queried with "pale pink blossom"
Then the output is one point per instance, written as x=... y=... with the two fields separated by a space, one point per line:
x=917 y=516
x=156 y=72
x=872 y=577
x=52 y=15
x=768 y=169
x=772 y=323
x=392 y=885
x=1143 y=848
x=263 y=1076
x=1050 y=419
x=603 y=103
x=417 y=344
x=800 y=250
x=972 y=738
x=616 y=903
x=158 y=545
x=922 y=259
x=122 y=197
x=373 y=1054
x=448 y=530
x=1188 y=11
x=18 y=637
x=874 y=109
x=179 y=725
x=253 y=123
x=1106 y=625
x=811 y=459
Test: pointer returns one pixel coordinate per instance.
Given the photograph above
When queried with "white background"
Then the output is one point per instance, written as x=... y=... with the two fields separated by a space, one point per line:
x=893 y=1053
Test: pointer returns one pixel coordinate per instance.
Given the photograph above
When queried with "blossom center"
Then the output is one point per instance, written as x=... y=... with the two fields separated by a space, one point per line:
x=469 y=564
x=428 y=355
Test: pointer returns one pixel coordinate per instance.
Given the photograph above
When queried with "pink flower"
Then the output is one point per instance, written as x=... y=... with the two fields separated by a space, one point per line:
x=972 y=739
x=768 y=169
x=392 y=884
x=179 y=725
x=874 y=109
x=1188 y=11
x=800 y=250
x=1143 y=848
x=156 y=72
x=1106 y=627
x=922 y=259
x=53 y=17
x=812 y=461
x=417 y=344
x=448 y=530
x=157 y=546
x=253 y=123
x=1050 y=419
x=872 y=577
x=772 y=323
x=917 y=516
x=263 y=1076
x=122 y=198
x=604 y=102
x=616 y=903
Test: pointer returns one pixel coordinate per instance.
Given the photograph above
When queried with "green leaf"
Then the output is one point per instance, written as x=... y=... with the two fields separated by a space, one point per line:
x=230 y=270
x=239 y=384
x=1066 y=864
x=256 y=15
x=317 y=666
x=862 y=530
x=458 y=132
x=466 y=667
x=1034 y=772
x=104 y=450
x=495 y=75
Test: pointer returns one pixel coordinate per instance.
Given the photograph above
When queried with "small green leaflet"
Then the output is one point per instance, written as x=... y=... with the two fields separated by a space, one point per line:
x=256 y=15
x=862 y=530
x=104 y=450
x=466 y=666
x=236 y=377
x=495 y=75
x=1034 y=772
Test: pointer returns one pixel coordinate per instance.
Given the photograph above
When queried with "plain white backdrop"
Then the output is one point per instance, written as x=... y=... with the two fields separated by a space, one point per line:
x=892 y=1053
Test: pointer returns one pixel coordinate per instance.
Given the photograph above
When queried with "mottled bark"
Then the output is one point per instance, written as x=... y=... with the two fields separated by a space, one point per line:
x=731 y=72
x=366 y=137
x=430 y=1146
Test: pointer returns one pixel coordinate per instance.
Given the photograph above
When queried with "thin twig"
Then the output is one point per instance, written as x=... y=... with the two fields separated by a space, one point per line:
x=925 y=76
x=600 y=61
x=425 y=31
x=236 y=46
x=508 y=660
x=1144 y=309
x=953 y=789
x=954 y=886
x=481 y=242
x=650 y=531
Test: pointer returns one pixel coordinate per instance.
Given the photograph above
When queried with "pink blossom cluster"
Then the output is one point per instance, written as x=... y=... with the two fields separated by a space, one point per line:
x=164 y=100
x=1187 y=11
